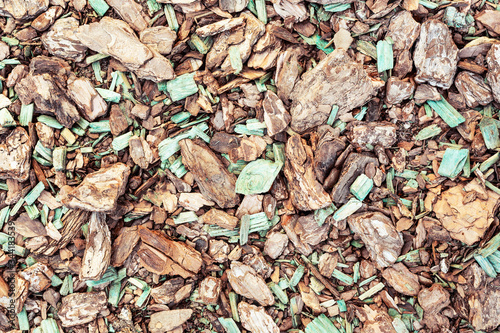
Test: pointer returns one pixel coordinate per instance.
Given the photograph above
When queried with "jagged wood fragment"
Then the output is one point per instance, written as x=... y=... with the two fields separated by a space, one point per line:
x=436 y=55
x=99 y=191
x=305 y=191
x=213 y=179
x=15 y=155
x=180 y=252
x=336 y=80
x=97 y=255
x=81 y=308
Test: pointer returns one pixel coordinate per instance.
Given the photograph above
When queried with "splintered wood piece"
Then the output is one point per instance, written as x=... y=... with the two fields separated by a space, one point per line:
x=72 y=222
x=180 y=252
x=124 y=245
x=305 y=191
x=81 y=308
x=212 y=177
x=97 y=255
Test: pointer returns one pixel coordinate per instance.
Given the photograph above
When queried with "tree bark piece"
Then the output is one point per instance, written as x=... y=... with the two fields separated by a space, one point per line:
x=220 y=218
x=44 y=91
x=255 y=319
x=378 y=233
x=329 y=145
x=180 y=252
x=213 y=179
x=305 y=191
x=15 y=155
x=99 y=191
x=470 y=222
x=482 y=294
x=433 y=299
x=210 y=289
x=353 y=167
x=276 y=243
x=276 y=116
x=61 y=40
x=402 y=280
x=160 y=38
x=72 y=223
x=97 y=255
x=124 y=245
x=362 y=134
x=23 y=10
x=165 y=321
x=84 y=95
x=81 y=308
x=436 y=55
x=131 y=12
x=473 y=89
x=493 y=75
x=117 y=39
x=490 y=19
x=398 y=90
x=246 y=282
x=141 y=153
x=403 y=30
x=336 y=80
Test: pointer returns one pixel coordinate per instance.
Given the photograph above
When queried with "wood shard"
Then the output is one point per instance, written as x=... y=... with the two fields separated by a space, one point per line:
x=15 y=155
x=97 y=254
x=100 y=190
x=246 y=282
x=255 y=319
x=180 y=252
x=81 y=308
x=213 y=179
x=165 y=321
x=436 y=55
x=305 y=191
x=336 y=80
x=379 y=235
x=471 y=222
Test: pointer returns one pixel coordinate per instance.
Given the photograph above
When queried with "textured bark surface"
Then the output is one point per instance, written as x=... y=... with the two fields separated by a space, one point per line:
x=15 y=155
x=117 y=39
x=469 y=223
x=379 y=236
x=336 y=80
x=61 y=40
x=306 y=192
x=436 y=55
x=255 y=319
x=48 y=97
x=100 y=190
x=246 y=282
x=97 y=254
x=215 y=182
x=81 y=308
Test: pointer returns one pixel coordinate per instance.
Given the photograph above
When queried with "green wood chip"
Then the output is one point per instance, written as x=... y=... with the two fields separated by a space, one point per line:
x=385 y=57
x=235 y=59
x=258 y=176
x=100 y=6
x=229 y=325
x=361 y=187
x=181 y=87
x=453 y=162
x=347 y=209
x=489 y=130
x=428 y=132
x=447 y=112
x=321 y=324
x=485 y=265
